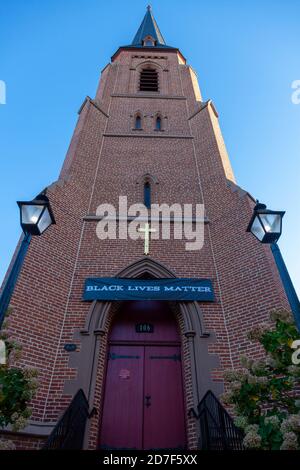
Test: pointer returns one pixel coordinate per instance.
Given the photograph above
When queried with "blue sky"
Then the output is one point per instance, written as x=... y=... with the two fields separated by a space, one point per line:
x=246 y=55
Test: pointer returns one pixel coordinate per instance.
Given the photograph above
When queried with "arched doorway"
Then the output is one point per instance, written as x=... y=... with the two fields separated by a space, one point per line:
x=143 y=405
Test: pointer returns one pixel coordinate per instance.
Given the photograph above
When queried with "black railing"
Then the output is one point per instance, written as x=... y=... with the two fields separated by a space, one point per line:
x=217 y=429
x=69 y=431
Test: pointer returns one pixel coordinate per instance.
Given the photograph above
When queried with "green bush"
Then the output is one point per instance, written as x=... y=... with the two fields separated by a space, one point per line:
x=264 y=392
x=17 y=387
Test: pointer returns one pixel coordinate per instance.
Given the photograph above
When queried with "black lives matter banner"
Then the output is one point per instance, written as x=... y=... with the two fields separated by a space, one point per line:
x=110 y=288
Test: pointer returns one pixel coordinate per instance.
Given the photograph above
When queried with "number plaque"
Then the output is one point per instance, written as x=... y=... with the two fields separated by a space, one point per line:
x=144 y=328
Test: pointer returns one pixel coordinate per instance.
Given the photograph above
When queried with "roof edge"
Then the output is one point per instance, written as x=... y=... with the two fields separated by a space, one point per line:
x=144 y=49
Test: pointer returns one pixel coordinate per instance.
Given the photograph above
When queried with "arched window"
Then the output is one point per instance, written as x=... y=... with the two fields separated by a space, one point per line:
x=148 y=41
x=149 y=80
x=158 y=123
x=138 y=122
x=147 y=194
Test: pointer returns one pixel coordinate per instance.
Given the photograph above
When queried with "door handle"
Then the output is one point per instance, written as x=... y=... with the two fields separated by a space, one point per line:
x=148 y=400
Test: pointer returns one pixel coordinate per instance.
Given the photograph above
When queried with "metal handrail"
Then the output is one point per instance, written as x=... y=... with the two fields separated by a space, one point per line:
x=217 y=428
x=69 y=430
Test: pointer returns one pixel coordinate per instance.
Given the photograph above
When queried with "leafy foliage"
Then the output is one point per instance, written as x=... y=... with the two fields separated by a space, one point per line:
x=264 y=392
x=17 y=387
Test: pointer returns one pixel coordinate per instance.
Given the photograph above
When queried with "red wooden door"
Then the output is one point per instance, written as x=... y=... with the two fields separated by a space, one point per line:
x=122 y=421
x=164 y=426
x=143 y=404
x=143 y=401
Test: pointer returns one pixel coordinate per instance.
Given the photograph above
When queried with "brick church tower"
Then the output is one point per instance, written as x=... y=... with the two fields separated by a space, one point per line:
x=142 y=364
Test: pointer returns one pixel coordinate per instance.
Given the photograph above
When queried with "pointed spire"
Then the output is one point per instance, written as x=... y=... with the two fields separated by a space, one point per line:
x=148 y=28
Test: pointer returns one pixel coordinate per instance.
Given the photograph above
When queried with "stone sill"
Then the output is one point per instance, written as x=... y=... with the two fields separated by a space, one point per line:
x=158 y=135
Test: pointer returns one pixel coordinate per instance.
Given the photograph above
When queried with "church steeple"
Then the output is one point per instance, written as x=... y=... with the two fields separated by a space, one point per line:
x=149 y=33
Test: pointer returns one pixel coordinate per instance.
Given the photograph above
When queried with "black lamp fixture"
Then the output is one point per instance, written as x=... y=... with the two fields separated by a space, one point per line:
x=36 y=215
x=265 y=225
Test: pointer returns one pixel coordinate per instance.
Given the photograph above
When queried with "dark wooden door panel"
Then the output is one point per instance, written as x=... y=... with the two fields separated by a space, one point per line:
x=122 y=422
x=164 y=426
x=157 y=314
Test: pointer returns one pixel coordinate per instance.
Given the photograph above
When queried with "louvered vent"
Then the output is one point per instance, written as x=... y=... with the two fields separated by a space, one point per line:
x=149 y=80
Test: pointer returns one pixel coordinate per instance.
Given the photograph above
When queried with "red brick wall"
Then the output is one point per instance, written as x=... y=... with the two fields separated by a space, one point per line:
x=23 y=442
x=106 y=158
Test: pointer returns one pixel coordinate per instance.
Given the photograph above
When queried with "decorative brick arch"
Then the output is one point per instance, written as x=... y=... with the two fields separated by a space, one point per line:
x=153 y=181
x=149 y=64
x=147 y=177
x=90 y=361
x=140 y=114
x=163 y=120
